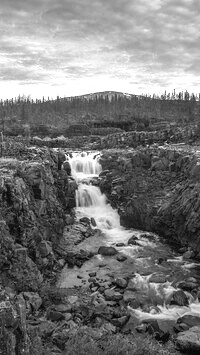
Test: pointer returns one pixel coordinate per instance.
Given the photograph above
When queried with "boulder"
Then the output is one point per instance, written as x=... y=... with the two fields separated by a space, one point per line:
x=93 y=222
x=111 y=295
x=133 y=240
x=189 y=341
x=107 y=251
x=85 y=220
x=179 y=298
x=121 y=258
x=122 y=283
x=189 y=320
x=157 y=278
x=188 y=284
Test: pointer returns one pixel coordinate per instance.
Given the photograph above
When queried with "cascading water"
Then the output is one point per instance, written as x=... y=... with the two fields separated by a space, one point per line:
x=90 y=203
x=84 y=165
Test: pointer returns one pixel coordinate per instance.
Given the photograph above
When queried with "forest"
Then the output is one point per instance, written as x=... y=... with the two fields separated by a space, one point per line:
x=98 y=110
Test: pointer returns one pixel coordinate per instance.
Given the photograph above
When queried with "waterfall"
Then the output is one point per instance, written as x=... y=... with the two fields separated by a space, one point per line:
x=84 y=165
x=91 y=203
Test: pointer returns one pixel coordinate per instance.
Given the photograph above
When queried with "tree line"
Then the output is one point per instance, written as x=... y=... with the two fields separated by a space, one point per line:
x=100 y=108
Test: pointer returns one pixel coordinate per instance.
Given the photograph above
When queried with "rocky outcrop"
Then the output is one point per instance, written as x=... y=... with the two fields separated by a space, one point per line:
x=142 y=138
x=36 y=198
x=156 y=189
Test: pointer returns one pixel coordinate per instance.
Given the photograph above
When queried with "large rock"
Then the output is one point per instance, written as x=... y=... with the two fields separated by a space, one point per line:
x=179 y=298
x=111 y=295
x=107 y=251
x=189 y=341
x=189 y=320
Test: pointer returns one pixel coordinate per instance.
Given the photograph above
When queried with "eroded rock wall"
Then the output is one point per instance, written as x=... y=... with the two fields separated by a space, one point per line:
x=36 y=196
x=156 y=189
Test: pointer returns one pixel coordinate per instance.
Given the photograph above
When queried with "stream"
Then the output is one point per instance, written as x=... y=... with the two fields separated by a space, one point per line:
x=155 y=269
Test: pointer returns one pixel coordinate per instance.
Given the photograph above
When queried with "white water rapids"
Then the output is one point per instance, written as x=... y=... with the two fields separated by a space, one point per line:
x=92 y=203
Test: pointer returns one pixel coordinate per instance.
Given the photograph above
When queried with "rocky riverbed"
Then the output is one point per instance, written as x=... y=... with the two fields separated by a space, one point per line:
x=67 y=271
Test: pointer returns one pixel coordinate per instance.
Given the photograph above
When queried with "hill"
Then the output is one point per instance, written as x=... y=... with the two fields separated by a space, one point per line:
x=101 y=110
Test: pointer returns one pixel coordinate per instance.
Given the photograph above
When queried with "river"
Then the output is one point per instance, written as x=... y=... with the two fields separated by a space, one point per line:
x=155 y=268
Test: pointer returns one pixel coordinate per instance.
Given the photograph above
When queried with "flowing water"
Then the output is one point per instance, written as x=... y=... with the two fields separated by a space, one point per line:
x=143 y=257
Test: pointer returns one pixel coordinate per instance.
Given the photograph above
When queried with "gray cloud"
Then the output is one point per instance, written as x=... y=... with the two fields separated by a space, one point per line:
x=131 y=40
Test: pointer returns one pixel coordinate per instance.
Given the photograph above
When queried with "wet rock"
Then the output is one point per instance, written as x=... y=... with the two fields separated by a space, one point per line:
x=179 y=298
x=161 y=260
x=122 y=283
x=189 y=341
x=121 y=258
x=120 y=244
x=133 y=240
x=181 y=327
x=189 y=320
x=93 y=222
x=142 y=328
x=188 y=284
x=107 y=251
x=92 y=274
x=154 y=310
x=103 y=173
x=66 y=166
x=157 y=278
x=92 y=280
x=148 y=236
x=198 y=295
x=130 y=297
x=85 y=220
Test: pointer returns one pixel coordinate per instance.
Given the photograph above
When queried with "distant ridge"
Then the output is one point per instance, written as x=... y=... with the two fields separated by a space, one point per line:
x=104 y=94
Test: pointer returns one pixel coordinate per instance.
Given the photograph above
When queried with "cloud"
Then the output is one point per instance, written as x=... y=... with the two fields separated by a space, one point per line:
x=138 y=41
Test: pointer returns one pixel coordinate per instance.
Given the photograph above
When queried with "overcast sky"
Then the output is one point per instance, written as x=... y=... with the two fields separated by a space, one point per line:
x=72 y=47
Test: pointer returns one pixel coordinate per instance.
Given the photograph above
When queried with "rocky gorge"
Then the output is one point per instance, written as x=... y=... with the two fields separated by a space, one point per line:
x=88 y=269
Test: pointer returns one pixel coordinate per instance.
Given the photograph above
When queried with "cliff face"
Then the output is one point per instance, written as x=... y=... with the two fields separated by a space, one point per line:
x=156 y=189
x=36 y=196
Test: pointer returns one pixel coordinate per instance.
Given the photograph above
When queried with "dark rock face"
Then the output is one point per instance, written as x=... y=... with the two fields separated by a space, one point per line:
x=156 y=189
x=35 y=197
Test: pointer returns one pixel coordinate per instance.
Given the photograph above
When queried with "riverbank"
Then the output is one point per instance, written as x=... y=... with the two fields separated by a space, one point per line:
x=156 y=188
x=67 y=274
